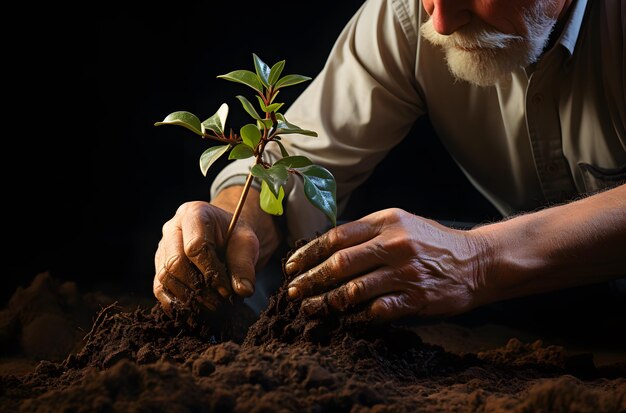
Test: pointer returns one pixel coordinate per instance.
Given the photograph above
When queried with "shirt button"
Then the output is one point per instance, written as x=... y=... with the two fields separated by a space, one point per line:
x=551 y=168
x=537 y=98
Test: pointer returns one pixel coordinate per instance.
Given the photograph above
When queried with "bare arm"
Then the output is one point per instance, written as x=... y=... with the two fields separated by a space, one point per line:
x=574 y=244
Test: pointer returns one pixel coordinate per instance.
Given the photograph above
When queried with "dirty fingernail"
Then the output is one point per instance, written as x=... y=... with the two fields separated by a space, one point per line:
x=246 y=286
x=293 y=292
x=223 y=292
x=290 y=267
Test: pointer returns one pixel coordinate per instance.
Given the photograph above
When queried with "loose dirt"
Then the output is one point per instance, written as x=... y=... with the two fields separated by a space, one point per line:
x=129 y=357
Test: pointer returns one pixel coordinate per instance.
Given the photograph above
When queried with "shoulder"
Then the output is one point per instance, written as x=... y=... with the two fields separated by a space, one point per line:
x=405 y=15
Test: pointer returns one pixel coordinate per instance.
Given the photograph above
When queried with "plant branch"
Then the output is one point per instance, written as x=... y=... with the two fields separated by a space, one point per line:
x=239 y=208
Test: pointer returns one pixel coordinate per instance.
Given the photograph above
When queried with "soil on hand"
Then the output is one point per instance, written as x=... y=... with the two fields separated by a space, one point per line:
x=140 y=359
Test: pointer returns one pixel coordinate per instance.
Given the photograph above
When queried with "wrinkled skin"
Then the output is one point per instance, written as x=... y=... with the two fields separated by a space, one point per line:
x=192 y=262
x=392 y=263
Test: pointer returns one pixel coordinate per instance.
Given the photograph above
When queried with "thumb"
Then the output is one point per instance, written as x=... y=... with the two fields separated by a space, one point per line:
x=242 y=254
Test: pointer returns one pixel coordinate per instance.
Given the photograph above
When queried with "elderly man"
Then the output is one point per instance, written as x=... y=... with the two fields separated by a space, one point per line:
x=528 y=97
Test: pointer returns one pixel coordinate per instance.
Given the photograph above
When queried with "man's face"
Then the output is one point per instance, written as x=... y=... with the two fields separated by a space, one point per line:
x=484 y=40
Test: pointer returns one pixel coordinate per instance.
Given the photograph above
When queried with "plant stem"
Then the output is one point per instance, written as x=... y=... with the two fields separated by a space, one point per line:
x=237 y=212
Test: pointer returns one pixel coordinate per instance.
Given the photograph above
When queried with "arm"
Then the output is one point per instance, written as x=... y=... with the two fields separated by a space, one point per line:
x=394 y=264
x=578 y=243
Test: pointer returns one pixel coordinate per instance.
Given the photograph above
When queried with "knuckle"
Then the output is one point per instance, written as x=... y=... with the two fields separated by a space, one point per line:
x=170 y=265
x=381 y=307
x=355 y=290
x=190 y=207
x=168 y=226
x=248 y=237
x=335 y=236
x=378 y=249
x=404 y=245
x=339 y=261
x=392 y=214
x=195 y=247
x=400 y=245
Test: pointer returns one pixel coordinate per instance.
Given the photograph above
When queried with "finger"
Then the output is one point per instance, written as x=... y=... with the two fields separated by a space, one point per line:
x=199 y=231
x=354 y=292
x=170 y=261
x=391 y=307
x=179 y=277
x=340 y=267
x=170 y=257
x=320 y=248
x=177 y=288
x=362 y=289
x=316 y=306
x=241 y=256
x=164 y=298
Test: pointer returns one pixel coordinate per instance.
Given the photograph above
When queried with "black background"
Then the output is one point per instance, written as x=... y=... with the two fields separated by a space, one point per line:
x=88 y=180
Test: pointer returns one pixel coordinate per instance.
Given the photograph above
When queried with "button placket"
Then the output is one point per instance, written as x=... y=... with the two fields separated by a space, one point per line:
x=545 y=137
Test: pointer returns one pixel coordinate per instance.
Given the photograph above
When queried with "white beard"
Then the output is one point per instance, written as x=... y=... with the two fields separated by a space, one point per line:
x=483 y=56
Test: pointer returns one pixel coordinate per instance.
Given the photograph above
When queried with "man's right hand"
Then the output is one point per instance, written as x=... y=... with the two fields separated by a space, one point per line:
x=192 y=262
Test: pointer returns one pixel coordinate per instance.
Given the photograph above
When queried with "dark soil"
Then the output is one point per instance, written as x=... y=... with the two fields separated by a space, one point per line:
x=138 y=359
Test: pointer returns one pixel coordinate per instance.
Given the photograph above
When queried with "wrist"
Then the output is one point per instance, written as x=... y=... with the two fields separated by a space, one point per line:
x=514 y=261
x=484 y=262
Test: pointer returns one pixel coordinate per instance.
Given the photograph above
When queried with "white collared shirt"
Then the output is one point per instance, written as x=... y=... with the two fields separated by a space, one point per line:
x=530 y=141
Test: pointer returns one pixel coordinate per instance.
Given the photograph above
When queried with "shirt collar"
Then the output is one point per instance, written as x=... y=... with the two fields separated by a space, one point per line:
x=571 y=30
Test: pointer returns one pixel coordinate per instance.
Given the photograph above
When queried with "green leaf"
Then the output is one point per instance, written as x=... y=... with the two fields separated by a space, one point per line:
x=273 y=107
x=277 y=69
x=268 y=109
x=264 y=122
x=283 y=151
x=217 y=122
x=275 y=176
x=250 y=135
x=262 y=70
x=248 y=107
x=211 y=155
x=296 y=161
x=241 y=151
x=274 y=95
x=269 y=203
x=285 y=127
x=261 y=103
x=183 y=118
x=245 y=77
x=291 y=80
x=321 y=190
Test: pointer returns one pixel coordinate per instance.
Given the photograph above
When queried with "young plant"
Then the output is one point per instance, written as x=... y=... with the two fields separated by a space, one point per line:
x=253 y=138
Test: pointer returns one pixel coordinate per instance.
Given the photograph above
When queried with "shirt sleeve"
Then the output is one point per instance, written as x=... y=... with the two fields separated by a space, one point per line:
x=362 y=104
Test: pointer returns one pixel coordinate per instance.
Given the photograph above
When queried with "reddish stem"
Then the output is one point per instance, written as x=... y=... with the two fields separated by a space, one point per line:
x=237 y=212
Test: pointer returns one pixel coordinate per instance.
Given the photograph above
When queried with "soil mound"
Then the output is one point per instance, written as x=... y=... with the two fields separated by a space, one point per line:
x=141 y=359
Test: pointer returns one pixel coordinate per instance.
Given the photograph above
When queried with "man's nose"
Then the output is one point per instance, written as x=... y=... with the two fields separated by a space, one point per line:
x=448 y=15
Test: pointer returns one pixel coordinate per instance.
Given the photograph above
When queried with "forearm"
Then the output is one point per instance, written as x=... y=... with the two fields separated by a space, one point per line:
x=579 y=243
x=262 y=223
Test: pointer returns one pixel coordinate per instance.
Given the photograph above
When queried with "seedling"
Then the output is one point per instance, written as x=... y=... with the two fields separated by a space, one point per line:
x=253 y=138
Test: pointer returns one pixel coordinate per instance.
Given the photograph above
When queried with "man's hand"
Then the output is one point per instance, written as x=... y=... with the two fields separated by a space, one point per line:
x=392 y=263
x=397 y=264
x=192 y=261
